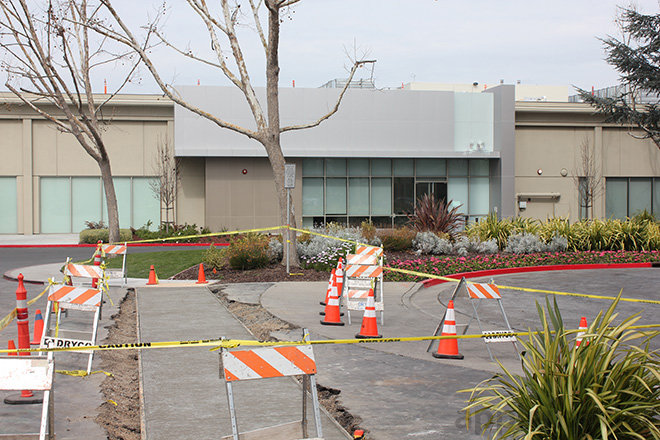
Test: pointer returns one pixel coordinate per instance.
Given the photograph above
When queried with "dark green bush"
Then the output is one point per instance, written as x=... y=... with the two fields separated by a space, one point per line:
x=399 y=239
x=215 y=258
x=184 y=230
x=92 y=236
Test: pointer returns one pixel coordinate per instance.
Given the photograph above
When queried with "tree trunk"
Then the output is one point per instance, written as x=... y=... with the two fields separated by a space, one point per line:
x=111 y=200
x=271 y=140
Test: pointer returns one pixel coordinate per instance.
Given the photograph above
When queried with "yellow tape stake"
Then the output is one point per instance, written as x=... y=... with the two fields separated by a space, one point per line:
x=523 y=289
x=217 y=344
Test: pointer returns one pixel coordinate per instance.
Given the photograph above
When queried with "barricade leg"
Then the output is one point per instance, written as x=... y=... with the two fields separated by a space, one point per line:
x=94 y=332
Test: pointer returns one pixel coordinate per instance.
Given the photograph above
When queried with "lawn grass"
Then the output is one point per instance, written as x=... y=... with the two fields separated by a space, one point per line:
x=166 y=263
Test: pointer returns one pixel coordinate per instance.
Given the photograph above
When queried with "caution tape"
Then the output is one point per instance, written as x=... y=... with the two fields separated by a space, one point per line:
x=82 y=373
x=306 y=231
x=4 y=322
x=217 y=344
x=524 y=289
x=212 y=234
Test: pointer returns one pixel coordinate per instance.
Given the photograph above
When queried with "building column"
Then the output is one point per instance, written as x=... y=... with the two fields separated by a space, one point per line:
x=599 y=157
x=28 y=187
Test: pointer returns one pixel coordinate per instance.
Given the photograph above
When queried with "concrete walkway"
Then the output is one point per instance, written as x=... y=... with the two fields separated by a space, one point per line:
x=184 y=395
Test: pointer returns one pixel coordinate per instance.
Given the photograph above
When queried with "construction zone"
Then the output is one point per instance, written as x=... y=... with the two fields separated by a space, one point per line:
x=89 y=353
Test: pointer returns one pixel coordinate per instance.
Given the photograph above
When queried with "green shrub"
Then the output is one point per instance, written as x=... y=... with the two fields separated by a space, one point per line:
x=609 y=387
x=491 y=229
x=184 y=230
x=214 y=257
x=249 y=251
x=368 y=231
x=92 y=236
x=399 y=239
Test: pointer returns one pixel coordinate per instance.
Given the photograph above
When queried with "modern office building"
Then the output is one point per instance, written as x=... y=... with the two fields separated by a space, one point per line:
x=493 y=150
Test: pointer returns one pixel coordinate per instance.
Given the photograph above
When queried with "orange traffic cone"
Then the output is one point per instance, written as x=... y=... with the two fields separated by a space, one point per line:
x=369 y=328
x=327 y=292
x=448 y=348
x=11 y=346
x=332 y=314
x=152 y=276
x=38 y=328
x=201 y=277
x=581 y=331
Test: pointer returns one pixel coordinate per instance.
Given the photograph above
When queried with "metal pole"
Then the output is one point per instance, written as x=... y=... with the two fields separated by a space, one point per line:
x=288 y=227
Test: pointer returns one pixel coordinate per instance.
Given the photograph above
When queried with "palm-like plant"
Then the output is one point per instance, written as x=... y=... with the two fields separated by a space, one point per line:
x=436 y=216
x=605 y=389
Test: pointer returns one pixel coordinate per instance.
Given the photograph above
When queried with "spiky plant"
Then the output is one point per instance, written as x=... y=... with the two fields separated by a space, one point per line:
x=436 y=216
x=608 y=388
x=491 y=228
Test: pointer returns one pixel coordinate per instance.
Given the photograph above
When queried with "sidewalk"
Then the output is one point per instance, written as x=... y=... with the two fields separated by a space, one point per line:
x=38 y=239
x=183 y=392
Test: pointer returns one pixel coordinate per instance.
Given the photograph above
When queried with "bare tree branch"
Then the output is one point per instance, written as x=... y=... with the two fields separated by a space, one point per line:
x=356 y=65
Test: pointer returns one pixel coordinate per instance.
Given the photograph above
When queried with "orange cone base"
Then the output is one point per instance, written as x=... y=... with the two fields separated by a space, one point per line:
x=360 y=336
x=332 y=323
x=18 y=399
x=447 y=356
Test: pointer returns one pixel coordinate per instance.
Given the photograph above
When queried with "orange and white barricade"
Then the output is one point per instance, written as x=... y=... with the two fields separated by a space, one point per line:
x=84 y=271
x=31 y=373
x=116 y=249
x=269 y=362
x=71 y=298
x=478 y=292
x=363 y=271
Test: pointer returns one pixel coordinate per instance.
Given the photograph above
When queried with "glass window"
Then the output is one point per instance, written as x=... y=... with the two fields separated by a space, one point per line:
x=639 y=196
x=312 y=167
x=123 y=193
x=146 y=206
x=9 y=211
x=55 y=204
x=335 y=196
x=404 y=167
x=458 y=167
x=312 y=191
x=583 y=198
x=404 y=195
x=85 y=201
x=479 y=197
x=358 y=167
x=616 y=198
x=381 y=167
x=431 y=167
x=358 y=196
x=335 y=167
x=457 y=193
x=382 y=222
x=479 y=167
x=656 y=198
x=381 y=196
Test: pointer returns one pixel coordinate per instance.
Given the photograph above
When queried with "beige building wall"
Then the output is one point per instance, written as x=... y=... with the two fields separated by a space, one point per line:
x=32 y=147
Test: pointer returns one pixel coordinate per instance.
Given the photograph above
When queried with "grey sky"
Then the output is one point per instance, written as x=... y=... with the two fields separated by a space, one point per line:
x=537 y=42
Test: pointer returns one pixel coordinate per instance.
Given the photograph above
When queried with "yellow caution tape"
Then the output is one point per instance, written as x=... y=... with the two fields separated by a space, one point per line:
x=212 y=234
x=523 y=289
x=306 y=231
x=82 y=373
x=217 y=344
x=4 y=322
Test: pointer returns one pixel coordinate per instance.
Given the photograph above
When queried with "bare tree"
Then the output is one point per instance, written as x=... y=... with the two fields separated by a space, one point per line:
x=587 y=177
x=49 y=59
x=222 y=31
x=166 y=170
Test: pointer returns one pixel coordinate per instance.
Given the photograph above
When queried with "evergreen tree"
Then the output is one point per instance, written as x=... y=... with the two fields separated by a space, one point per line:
x=637 y=58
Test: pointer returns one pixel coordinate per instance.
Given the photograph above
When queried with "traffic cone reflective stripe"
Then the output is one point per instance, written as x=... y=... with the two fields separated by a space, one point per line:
x=369 y=327
x=201 y=277
x=152 y=276
x=448 y=348
x=38 y=328
x=581 y=331
x=332 y=314
x=97 y=262
x=339 y=276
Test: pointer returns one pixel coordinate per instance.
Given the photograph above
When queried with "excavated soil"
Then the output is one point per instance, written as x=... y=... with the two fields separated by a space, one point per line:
x=121 y=419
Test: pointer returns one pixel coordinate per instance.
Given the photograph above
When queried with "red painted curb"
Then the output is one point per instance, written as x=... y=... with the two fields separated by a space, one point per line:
x=93 y=245
x=510 y=270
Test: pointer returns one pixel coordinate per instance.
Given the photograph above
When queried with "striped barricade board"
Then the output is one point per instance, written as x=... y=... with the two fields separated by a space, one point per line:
x=116 y=249
x=71 y=298
x=30 y=373
x=363 y=271
x=369 y=250
x=483 y=291
x=84 y=271
x=271 y=362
